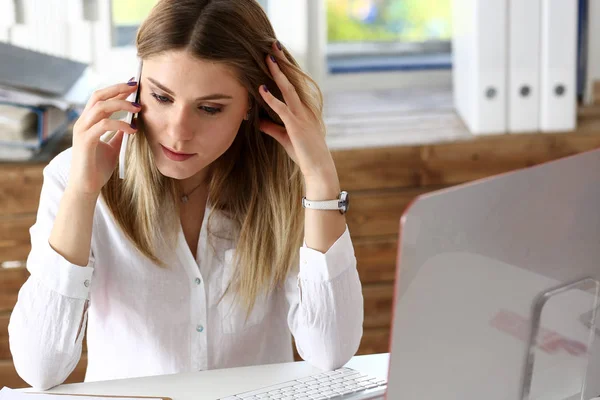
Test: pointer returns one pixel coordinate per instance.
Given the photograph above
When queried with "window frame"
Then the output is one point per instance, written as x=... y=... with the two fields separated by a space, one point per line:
x=302 y=26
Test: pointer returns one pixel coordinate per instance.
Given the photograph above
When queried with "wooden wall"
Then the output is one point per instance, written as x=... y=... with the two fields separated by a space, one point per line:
x=382 y=182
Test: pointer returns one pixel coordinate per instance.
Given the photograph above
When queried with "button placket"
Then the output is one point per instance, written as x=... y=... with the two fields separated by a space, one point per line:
x=199 y=319
x=198 y=311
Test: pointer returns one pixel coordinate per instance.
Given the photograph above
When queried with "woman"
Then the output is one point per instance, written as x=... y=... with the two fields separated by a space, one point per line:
x=191 y=262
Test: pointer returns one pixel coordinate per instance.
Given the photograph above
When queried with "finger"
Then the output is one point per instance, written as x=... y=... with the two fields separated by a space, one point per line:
x=278 y=132
x=105 y=125
x=116 y=140
x=278 y=48
x=110 y=92
x=105 y=109
x=287 y=89
x=277 y=105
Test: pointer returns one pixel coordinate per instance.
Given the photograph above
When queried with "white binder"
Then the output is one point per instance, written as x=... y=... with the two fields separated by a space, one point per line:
x=80 y=38
x=7 y=19
x=558 y=105
x=524 y=65
x=480 y=64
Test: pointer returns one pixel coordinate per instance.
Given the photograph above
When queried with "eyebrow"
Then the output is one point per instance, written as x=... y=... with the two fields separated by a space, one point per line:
x=214 y=96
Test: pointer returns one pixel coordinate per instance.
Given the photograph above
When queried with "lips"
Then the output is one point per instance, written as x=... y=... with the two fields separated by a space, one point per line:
x=175 y=156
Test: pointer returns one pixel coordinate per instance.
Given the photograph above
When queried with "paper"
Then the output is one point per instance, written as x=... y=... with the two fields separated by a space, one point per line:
x=9 y=394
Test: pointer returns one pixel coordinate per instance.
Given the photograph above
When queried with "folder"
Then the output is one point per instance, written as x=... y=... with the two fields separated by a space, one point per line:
x=524 y=65
x=558 y=69
x=49 y=121
x=479 y=64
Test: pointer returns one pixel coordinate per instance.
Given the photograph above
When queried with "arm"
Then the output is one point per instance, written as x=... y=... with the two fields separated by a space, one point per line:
x=47 y=324
x=325 y=299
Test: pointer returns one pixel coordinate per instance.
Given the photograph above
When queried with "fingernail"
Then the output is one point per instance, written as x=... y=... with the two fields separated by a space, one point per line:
x=278 y=45
x=133 y=125
x=265 y=88
x=132 y=78
x=273 y=58
x=132 y=83
x=138 y=105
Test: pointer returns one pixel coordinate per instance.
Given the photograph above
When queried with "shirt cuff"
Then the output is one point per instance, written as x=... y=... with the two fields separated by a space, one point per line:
x=59 y=275
x=318 y=266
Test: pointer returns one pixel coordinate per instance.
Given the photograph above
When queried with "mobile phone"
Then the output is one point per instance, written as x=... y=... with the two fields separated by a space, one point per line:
x=135 y=96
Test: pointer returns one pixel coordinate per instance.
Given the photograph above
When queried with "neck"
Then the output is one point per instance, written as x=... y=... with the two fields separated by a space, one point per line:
x=194 y=182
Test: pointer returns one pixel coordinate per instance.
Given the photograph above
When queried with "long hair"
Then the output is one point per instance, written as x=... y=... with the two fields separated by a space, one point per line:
x=254 y=183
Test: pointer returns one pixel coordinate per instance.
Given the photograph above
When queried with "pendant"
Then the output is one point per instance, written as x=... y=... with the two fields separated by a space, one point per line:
x=184 y=199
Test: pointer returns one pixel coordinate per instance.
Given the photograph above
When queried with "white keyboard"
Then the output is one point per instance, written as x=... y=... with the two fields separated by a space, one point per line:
x=340 y=384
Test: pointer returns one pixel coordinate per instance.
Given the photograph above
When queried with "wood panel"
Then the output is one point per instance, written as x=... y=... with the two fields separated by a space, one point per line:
x=20 y=186
x=4 y=348
x=378 y=168
x=463 y=160
x=378 y=213
x=459 y=162
x=597 y=92
x=15 y=243
x=376 y=259
x=11 y=281
x=10 y=378
x=378 y=300
x=375 y=341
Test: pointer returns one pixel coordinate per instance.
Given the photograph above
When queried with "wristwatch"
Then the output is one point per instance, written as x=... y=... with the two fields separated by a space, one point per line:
x=341 y=203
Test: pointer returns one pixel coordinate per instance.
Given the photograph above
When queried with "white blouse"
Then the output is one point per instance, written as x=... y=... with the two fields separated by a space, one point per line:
x=143 y=320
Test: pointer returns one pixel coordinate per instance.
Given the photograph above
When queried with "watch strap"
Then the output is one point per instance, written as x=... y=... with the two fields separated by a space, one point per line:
x=321 y=205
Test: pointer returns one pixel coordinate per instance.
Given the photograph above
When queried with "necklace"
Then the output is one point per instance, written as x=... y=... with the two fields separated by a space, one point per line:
x=185 y=196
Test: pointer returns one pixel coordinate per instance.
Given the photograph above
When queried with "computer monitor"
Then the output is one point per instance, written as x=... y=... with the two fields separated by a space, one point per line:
x=497 y=287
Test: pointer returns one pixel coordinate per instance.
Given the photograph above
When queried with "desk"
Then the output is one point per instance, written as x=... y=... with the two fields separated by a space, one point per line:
x=215 y=384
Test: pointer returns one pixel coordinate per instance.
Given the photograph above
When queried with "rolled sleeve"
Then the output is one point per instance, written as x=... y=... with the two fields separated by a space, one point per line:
x=323 y=267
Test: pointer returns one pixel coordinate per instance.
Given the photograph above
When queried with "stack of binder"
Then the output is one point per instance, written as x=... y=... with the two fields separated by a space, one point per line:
x=515 y=65
x=26 y=129
x=40 y=95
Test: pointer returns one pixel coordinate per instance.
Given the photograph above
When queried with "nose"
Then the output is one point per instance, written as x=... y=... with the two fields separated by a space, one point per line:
x=180 y=124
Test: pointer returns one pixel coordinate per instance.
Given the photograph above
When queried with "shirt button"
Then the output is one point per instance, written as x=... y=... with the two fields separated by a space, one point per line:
x=198 y=281
x=200 y=328
x=86 y=283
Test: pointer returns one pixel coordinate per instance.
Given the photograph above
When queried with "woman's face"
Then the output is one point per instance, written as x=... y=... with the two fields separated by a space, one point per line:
x=192 y=110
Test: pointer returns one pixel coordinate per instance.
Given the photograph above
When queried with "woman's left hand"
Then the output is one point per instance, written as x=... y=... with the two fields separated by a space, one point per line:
x=302 y=137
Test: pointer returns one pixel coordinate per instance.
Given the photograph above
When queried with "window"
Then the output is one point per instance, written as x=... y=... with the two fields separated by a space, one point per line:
x=387 y=35
x=127 y=15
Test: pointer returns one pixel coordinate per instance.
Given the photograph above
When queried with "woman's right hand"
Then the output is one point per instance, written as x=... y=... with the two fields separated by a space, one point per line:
x=93 y=160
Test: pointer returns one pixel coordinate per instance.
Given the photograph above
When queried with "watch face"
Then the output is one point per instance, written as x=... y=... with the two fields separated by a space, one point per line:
x=345 y=201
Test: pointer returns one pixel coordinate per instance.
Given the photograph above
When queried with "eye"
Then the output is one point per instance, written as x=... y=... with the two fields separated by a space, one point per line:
x=211 y=110
x=160 y=99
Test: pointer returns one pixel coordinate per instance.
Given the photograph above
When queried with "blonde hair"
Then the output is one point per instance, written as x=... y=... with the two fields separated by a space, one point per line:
x=254 y=183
